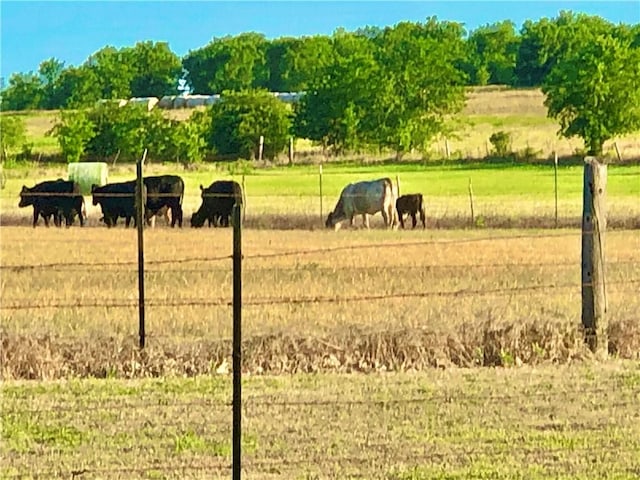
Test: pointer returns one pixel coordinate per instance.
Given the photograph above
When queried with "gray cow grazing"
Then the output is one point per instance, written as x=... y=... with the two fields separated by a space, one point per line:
x=365 y=198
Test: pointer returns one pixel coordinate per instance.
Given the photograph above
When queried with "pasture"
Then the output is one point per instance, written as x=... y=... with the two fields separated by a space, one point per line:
x=504 y=196
x=321 y=310
x=453 y=352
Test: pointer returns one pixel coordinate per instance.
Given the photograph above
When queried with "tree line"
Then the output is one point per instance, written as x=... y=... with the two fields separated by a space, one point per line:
x=390 y=89
x=491 y=54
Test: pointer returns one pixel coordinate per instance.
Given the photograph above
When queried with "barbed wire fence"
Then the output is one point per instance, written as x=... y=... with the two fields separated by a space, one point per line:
x=270 y=403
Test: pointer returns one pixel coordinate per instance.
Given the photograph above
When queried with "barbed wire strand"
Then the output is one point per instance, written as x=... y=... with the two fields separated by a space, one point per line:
x=297 y=252
x=261 y=301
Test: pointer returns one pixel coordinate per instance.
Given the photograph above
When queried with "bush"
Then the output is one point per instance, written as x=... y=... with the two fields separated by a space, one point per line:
x=13 y=133
x=501 y=142
x=240 y=118
x=74 y=131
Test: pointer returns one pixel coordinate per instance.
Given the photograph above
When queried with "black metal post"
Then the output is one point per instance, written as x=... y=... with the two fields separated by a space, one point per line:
x=139 y=201
x=237 y=341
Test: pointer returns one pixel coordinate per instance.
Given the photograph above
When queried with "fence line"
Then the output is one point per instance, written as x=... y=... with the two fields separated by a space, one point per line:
x=314 y=269
x=260 y=301
x=298 y=252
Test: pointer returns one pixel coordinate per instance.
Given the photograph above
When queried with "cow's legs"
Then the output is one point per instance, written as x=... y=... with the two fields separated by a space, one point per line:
x=414 y=221
x=36 y=214
x=423 y=218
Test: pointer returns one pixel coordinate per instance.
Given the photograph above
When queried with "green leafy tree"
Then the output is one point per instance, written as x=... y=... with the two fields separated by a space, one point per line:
x=493 y=51
x=410 y=102
x=593 y=91
x=24 y=92
x=189 y=138
x=228 y=63
x=77 y=87
x=240 y=118
x=276 y=58
x=305 y=61
x=113 y=72
x=13 y=133
x=118 y=131
x=340 y=95
x=543 y=43
x=156 y=69
x=73 y=131
x=50 y=71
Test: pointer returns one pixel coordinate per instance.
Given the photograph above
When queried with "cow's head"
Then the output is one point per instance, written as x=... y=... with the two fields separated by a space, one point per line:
x=94 y=187
x=333 y=221
x=25 y=198
x=197 y=219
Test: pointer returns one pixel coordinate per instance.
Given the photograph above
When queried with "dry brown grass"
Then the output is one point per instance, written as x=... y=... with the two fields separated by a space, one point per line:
x=314 y=300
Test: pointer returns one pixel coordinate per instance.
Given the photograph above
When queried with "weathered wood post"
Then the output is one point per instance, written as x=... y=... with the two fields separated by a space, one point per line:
x=290 y=150
x=260 y=147
x=244 y=200
x=321 y=216
x=594 y=225
x=473 y=218
x=555 y=188
x=139 y=203
x=615 y=145
x=237 y=344
x=447 y=148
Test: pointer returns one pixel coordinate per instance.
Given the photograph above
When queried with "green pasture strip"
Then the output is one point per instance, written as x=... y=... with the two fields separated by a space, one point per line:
x=504 y=189
x=577 y=421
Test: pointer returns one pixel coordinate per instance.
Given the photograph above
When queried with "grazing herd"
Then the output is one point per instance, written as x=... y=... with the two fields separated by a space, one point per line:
x=164 y=194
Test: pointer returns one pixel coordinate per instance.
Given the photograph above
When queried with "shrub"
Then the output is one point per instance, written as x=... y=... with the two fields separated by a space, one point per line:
x=240 y=118
x=501 y=142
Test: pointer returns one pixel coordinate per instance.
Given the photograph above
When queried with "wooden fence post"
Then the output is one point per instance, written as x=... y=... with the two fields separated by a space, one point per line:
x=615 y=145
x=447 y=149
x=321 y=215
x=290 y=150
x=244 y=200
x=555 y=170
x=473 y=218
x=260 y=147
x=594 y=225
x=139 y=203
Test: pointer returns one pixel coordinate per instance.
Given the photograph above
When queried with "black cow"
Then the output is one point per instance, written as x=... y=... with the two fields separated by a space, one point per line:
x=217 y=203
x=411 y=204
x=117 y=200
x=58 y=198
x=164 y=191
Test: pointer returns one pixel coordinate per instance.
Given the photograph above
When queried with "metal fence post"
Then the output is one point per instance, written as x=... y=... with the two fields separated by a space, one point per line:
x=139 y=202
x=237 y=342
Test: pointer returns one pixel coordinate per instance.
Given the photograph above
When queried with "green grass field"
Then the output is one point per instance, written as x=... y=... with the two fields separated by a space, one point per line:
x=289 y=197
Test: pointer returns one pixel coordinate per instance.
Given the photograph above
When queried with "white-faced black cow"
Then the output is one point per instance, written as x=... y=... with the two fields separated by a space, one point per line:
x=365 y=198
x=218 y=200
x=164 y=191
x=117 y=200
x=411 y=204
x=58 y=198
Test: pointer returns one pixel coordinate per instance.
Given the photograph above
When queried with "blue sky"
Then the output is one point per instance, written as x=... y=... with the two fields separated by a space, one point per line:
x=71 y=31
